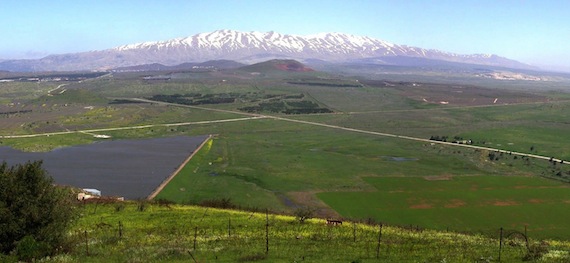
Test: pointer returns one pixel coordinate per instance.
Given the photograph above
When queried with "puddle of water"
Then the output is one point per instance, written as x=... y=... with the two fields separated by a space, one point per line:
x=399 y=159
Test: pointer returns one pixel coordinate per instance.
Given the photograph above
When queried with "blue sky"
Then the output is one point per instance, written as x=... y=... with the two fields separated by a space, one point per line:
x=535 y=32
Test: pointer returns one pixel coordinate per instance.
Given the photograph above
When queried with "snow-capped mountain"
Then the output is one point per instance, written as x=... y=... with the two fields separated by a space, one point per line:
x=248 y=47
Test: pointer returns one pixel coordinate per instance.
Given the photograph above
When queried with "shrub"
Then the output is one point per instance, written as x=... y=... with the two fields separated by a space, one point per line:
x=304 y=213
x=28 y=249
x=34 y=213
x=119 y=207
x=536 y=251
x=254 y=257
x=142 y=205
x=224 y=203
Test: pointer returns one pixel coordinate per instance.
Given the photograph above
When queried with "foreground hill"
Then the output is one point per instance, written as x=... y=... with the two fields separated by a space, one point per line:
x=141 y=232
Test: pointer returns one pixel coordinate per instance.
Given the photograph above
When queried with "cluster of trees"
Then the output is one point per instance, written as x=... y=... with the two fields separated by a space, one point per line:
x=557 y=169
x=125 y=101
x=194 y=99
x=494 y=156
x=14 y=112
x=455 y=139
x=325 y=84
x=275 y=107
x=34 y=213
x=295 y=96
x=276 y=103
x=307 y=111
x=289 y=107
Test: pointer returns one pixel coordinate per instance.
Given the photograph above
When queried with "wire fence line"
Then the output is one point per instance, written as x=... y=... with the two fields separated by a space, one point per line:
x=205 y=238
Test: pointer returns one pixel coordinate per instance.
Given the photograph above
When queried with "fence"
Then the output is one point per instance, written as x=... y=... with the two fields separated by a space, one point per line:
x=233 y=236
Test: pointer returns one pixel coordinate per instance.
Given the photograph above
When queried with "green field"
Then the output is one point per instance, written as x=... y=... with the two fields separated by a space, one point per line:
x=462 y=203
x=270 y=156
x=125 y=232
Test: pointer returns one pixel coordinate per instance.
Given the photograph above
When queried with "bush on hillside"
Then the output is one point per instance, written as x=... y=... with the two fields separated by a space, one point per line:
x=34 y=213
x=304 y=213
x=224 y=203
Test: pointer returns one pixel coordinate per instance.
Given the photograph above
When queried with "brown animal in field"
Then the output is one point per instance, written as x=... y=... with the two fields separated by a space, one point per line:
x=333 y=222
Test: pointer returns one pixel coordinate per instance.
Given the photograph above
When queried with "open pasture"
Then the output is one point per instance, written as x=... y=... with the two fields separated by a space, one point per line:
x=266 y=162
x=457 y=94
x=479 y=204
x=510 y=127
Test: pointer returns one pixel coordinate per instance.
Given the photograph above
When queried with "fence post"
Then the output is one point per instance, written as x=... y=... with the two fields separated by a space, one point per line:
x=229 y=226
x=96 y=204
x=120 y=229
x=379 y=238
x=192 y=256
x=266 y=231
x=195 y=236
x=86 y=243
x=526 y=239
x=205 y=212
x=252 y=213
x=500 y=243
x=354 y=231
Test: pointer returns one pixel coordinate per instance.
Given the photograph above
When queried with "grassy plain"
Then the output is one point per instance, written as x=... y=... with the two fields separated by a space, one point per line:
x=125 y=232
x=479 y=204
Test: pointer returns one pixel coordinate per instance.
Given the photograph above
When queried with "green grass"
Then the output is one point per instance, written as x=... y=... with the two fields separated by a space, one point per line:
x=256 y=162
x=464 y=203
x=513 y=127
x=75 y=96
x=10 y=91
x=543 y=140
x=188 y=233
x=47 y=143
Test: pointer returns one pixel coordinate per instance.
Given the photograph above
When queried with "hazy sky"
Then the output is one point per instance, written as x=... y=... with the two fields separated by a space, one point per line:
x=535 y=32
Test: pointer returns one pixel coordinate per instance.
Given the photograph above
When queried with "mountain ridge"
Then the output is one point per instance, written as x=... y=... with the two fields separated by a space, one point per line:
x=247 y=47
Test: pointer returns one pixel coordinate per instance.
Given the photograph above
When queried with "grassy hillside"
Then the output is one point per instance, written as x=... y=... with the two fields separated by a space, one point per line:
x=140 y=232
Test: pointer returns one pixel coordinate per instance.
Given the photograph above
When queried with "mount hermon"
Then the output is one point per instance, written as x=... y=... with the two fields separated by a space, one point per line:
x=249 y=47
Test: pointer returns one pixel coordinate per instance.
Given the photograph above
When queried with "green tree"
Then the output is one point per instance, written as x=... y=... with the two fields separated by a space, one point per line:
x=304 y=213
x=34 y=213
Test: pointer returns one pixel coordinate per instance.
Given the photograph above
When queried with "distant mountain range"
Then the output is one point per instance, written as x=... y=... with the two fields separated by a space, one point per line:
x=251 y=47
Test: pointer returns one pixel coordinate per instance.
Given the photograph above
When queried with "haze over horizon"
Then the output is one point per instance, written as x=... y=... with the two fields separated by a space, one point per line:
x=531 y=32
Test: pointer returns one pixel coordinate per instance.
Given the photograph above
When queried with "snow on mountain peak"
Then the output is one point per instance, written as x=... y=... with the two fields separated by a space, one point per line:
x=254 y=46
x=237 y=39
